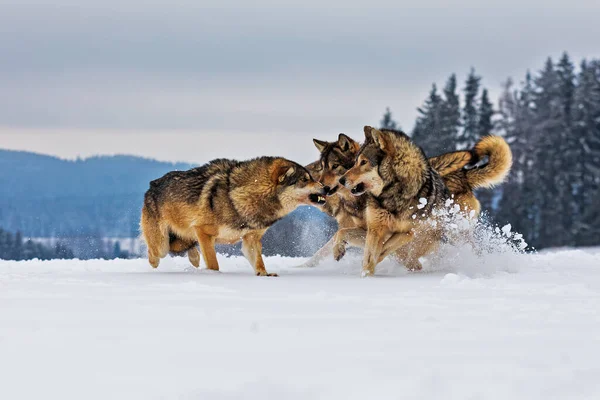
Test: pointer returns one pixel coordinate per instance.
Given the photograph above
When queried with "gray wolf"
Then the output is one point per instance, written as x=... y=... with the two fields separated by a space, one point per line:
x=224 y=201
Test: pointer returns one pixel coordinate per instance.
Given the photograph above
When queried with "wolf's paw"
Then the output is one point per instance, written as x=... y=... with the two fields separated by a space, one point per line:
x=154 y=261
x=365 y=273
x=307 y=264
x=339 y=250
x=413 y=267
x=203 y=270
x=194 y=257
x=265 y=273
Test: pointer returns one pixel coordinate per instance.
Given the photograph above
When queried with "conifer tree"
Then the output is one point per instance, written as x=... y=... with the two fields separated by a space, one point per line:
x=517 y=202
x=469 y=135
x=548 y=177
x=586 y=125
x=569 y=165
x=387 y=122
x=18 y=246
x=485 y=125
x=449 y=119
x=428 y=124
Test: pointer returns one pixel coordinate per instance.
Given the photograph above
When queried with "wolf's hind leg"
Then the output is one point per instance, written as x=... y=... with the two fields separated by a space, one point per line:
x=401 y=255
x=395 y=244
x=194 y=256
x=410 y=253
x=156 y=238
x=421 y=248
x=320 y=255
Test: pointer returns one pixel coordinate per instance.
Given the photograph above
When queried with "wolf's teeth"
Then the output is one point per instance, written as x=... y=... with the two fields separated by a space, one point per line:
x=321 y=198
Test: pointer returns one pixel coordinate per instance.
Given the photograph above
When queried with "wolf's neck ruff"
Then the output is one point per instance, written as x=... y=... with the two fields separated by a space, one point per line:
x=253 y=197
x=355 y=206
x=405 y=173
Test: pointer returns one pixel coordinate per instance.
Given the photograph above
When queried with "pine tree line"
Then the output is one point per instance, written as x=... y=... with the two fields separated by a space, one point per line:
x=552 y=123
x=13 y=247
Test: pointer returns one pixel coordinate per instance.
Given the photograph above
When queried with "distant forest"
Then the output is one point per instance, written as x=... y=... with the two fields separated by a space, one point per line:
x=551 y=119
x=13 y=247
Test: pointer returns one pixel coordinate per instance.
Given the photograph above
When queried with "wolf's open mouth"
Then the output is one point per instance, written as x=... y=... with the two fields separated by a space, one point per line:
x=316 y=198
x=358 y=189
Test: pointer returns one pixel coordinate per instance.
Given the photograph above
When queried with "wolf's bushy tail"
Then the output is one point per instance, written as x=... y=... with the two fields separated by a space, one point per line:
x=448 y=163
x=493 y=171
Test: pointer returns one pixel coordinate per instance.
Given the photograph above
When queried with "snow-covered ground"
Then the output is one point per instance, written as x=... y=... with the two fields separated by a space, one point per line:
x=498 y=326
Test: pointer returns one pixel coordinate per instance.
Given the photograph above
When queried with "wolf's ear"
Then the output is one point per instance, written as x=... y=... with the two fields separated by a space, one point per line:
x=285 y=172
x=320 y=144
x=381 y=139
x=368 y=134
x=345 y=142
x=281 y=169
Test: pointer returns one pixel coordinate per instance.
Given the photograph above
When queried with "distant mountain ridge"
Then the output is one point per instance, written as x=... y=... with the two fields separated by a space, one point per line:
x=45 y=196
x=50 y=176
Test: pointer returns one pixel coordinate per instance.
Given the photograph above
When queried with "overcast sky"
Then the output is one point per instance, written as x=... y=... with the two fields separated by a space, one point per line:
x=171 y=79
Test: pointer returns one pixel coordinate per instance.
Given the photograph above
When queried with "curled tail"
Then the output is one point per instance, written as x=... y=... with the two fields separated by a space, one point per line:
x=492 y=160
x=448 y=163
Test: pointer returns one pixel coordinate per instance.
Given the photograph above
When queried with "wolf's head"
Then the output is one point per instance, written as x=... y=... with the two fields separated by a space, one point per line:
x=386 y=158
x=336 y=158
x=295 y=185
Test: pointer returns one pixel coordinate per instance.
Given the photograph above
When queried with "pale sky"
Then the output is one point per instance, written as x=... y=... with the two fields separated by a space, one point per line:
x=195 y=79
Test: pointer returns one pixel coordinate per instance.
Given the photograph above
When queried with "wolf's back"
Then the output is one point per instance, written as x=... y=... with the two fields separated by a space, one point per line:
x=497 y=166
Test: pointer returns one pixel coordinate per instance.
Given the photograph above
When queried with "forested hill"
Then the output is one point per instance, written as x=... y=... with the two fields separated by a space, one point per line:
x=47 y=196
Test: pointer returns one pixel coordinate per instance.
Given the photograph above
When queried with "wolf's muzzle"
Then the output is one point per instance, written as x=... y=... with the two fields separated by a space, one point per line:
x=358 y=189
x=330 y=191
x=317 y=198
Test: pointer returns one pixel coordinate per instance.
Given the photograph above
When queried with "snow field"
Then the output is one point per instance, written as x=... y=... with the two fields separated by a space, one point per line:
x=497 y=325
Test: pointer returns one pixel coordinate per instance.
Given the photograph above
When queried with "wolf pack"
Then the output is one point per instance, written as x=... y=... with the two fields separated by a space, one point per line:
x=385 y=194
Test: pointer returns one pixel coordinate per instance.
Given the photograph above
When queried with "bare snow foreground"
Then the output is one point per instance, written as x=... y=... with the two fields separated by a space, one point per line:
x=500 y=326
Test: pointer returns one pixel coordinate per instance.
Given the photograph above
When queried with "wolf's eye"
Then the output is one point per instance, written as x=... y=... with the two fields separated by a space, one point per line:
x=335 y=166
x=363 y=162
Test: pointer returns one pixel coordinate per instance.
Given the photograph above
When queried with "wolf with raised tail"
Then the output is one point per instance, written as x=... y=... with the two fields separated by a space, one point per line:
x=486 y=164
x=406 y=194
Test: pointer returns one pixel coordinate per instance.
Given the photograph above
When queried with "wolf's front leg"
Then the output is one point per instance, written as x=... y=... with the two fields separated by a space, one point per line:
x=207 y=247
x=252 y=249
x=345 y=236
x=373 y=249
